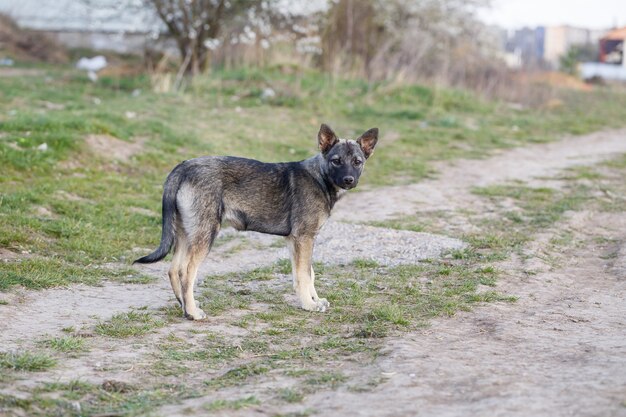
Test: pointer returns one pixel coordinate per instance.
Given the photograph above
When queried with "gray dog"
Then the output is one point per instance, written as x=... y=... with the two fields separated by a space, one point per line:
x=291 y=199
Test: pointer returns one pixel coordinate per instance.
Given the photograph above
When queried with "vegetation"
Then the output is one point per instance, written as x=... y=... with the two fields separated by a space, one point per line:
x=129 y=324
x=26 y=361
x=76 y=204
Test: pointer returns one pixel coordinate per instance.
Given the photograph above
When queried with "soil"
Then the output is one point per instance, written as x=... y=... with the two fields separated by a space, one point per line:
x=560 y=350
x=110 y=147
x=452 y=189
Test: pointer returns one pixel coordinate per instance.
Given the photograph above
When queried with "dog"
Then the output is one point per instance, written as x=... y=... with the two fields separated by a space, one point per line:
x=290 y=199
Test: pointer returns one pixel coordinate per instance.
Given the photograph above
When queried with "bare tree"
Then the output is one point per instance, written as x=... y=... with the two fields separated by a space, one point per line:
x=196 y=25
x=440 y=40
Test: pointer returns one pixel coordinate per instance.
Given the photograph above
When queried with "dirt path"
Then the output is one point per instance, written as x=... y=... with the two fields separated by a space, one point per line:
x=559 y=351
x=451 y=189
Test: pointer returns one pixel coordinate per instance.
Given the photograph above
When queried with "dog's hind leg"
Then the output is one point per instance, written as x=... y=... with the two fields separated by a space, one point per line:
x=175 y=273
x=195 y=256
x=301 y=253
x=196 y=252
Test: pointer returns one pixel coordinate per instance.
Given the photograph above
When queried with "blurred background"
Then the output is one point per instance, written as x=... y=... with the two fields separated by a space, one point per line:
x=495 y=48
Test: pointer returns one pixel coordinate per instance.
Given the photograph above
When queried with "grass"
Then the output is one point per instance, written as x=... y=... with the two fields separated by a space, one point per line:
x=77 y=398
x=540 y=207
x=73 y=209
x=26 y=361
x=238 y=375
x=46 y=272
x=66 y=344
x=133 y=323
x=238 y=404
x=290 y=395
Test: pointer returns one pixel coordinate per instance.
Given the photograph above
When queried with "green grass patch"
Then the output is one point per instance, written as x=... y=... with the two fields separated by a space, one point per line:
x=66 y=344
x=237 y=404
x=133 y=323
x=290 y=395
x=77 y=398
x=238 y=375
x=26 y=361
x=327 y=379
x=541 y=207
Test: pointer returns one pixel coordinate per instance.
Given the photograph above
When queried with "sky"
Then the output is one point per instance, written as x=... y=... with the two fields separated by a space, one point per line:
x=510 y=14
x=593 y=14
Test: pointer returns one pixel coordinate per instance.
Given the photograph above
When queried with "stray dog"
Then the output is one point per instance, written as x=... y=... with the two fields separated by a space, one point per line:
x=291 y=199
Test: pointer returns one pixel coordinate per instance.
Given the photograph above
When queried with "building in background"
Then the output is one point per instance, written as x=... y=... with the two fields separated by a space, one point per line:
x=612 y=47
x=559 y=40
x=524 y=48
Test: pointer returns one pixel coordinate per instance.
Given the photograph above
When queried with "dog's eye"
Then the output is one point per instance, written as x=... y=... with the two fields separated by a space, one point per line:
x=357 y=162
x=335 y=162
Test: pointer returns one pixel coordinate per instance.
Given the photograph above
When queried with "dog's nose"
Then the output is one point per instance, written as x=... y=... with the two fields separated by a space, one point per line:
x=348 y=180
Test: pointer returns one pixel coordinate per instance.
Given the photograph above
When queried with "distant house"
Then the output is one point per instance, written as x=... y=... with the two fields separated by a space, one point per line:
x=524 y=47
x=559 y=39
x=612 y=47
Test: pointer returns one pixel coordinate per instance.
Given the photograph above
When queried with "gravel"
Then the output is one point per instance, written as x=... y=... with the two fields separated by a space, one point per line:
x=337 y=244
x=343 y=242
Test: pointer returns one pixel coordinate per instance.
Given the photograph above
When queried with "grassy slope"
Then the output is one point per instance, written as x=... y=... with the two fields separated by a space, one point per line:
x=71 y=209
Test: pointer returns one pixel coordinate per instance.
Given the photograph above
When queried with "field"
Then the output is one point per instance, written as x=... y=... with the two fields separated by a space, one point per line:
x=82 y=170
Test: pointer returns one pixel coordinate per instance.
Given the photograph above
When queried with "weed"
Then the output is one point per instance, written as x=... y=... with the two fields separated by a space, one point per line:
x=290 y=395
x=326 y=379
x=128 y=324
x=238 y=375
x=66 y=344
x=26 y=361
x=365 y=263
x=232 y=404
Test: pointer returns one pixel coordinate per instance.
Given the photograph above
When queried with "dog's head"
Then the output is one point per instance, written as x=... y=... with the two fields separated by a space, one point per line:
x=344 y=158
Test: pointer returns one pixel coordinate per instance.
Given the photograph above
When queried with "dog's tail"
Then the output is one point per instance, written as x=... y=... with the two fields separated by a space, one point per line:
x=170 y=189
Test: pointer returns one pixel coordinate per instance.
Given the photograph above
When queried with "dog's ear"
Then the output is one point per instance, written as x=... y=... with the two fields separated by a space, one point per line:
x=326 y=138
x=367 y=141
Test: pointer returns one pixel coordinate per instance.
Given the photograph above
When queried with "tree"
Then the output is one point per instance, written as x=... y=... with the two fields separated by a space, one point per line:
x=196 y=25
x=569 y=61
x=410 y=39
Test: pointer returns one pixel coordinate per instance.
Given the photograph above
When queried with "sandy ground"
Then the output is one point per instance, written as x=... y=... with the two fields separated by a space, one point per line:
x=560 y=350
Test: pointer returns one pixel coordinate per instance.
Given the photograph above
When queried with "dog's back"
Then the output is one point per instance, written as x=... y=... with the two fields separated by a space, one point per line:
x=269 y=198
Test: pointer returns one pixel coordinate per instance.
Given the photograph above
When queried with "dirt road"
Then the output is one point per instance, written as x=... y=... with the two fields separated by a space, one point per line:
x=560 y=350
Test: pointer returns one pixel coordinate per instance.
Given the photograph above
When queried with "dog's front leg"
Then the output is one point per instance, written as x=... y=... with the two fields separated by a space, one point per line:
x=314 y=293
x=303 y=277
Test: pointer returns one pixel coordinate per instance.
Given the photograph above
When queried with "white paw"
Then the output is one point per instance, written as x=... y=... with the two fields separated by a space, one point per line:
x=196 y=315
x=320 y=306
